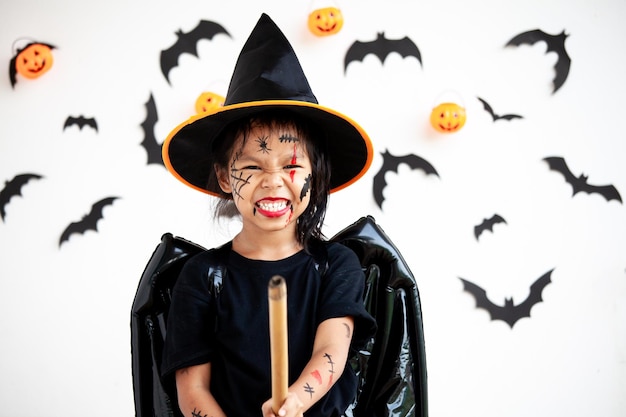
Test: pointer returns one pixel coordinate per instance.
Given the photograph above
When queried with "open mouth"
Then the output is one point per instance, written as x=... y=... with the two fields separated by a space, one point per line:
x=273 y=207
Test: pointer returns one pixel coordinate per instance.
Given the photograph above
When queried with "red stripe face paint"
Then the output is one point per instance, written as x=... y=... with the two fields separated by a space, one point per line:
x=290 y=215
x=294 y=159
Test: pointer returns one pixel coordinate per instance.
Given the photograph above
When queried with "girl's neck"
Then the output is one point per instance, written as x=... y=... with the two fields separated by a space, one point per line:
x=270 y=246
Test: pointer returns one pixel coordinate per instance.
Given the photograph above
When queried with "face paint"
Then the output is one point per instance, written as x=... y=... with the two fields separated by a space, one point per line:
x=290 y=216
x=236 y=177
x=305 y=187
x=263 y=146
x=288 y=138
x=294 y=159
x=238 y=182
x=270 y=177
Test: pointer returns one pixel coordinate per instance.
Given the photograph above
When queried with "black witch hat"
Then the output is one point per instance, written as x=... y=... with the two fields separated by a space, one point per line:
x=267 y=76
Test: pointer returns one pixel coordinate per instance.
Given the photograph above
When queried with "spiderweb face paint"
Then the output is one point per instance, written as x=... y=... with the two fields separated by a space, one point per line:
x=237 y=179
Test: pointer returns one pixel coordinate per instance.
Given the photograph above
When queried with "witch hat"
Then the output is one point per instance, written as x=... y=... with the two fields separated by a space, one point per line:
x=267 y=76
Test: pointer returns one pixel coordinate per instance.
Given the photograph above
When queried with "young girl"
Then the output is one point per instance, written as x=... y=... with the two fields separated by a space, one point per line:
x=275 y=155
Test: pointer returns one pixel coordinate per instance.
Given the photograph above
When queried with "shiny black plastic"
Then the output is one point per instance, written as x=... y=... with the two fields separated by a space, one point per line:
x=153 y=395
x=391 y=369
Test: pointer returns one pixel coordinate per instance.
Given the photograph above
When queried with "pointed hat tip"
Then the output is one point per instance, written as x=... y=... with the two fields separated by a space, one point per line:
x=268 y=68
x=266 y=23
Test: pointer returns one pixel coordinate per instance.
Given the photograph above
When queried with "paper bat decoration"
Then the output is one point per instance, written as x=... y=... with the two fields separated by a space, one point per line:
x=495 y=116
x=187 y=43
x=580 y=184
x=510 y=312
x=80 y=121
x=13 y=188
x=89 y=221
x=381 y=47
x=488 y=224
x=391 y=163
x=555 y=43
x=149 y=143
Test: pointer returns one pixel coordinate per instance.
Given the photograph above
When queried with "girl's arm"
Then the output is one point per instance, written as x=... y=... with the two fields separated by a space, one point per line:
x=330 y=353
x=194 y=396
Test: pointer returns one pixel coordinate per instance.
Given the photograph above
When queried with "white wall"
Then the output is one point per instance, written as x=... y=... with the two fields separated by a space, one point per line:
x=65 y=311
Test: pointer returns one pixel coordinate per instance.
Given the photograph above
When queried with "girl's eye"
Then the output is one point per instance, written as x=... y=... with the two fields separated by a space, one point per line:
x=251 y=167
x=292 y=166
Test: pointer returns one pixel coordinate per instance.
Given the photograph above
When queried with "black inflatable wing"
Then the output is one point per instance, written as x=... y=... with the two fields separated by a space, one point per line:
x=391 y=369
x=153 y=395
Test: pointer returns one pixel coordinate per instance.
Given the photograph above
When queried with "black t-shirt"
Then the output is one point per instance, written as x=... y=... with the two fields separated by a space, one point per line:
x=231 y=328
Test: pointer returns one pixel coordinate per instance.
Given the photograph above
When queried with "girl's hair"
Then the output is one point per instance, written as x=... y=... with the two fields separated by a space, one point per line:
x=310 y=223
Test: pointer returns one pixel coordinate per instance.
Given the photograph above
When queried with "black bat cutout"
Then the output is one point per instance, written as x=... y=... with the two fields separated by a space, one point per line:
x=80 y=121
x=495 y=116
x=391 y=163
x=381 y=47
x=510 y=312
x=580 y=184
x=555 y=43
x=89 y=221
x=187 y=43
x=13 y=188
x=149 y=143
x=488 y=224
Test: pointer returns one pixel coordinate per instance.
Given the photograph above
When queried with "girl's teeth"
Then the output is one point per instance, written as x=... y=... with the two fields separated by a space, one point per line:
x=275 y=206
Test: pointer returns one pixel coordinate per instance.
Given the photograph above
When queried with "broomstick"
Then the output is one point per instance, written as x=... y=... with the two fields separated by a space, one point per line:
x=277 y=298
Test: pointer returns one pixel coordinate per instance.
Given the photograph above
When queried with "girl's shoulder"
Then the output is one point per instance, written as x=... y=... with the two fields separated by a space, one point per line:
x=208 y=259
x=330 y=255
x=339 y=250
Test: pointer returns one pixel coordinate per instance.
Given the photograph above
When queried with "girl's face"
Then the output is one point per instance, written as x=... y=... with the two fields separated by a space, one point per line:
x=269 y=176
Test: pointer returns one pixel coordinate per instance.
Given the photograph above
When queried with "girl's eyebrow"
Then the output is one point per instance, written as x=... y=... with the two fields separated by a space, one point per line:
x=247 y=157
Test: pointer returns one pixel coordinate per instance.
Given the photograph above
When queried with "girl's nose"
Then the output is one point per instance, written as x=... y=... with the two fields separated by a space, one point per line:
x=273 y=179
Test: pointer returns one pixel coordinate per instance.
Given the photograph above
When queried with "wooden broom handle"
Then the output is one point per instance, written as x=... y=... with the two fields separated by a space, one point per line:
x=277 y=298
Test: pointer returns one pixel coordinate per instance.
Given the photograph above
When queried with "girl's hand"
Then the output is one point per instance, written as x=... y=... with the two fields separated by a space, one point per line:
x=292 y=407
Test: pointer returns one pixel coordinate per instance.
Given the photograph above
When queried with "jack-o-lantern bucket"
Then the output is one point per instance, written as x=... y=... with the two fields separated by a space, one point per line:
x=325 y=21
x=448 y=117
x=32 y=61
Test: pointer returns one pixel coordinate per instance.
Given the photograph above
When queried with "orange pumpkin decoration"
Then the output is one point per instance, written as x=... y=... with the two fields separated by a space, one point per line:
x=448 y=117
x=325 y=21
x=208 y=102
x=34 y=60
